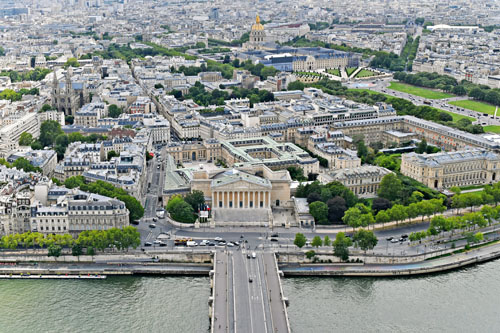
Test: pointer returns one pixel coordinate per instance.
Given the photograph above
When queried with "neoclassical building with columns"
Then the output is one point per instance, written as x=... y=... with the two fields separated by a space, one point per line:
x=245 y=195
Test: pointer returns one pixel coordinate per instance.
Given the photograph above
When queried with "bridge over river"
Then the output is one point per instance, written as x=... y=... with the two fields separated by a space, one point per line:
x=247 y=293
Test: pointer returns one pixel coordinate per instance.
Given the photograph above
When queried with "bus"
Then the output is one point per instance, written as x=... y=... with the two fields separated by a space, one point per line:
x=182 y=241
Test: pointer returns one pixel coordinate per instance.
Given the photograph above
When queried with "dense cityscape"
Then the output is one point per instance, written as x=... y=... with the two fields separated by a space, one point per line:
x=233 y=151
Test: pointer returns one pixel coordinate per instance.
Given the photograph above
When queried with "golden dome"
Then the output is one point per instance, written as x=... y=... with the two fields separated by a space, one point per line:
x=257 y=26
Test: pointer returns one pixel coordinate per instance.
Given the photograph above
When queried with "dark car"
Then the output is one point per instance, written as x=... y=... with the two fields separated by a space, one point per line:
x=389 y=238
x=274 y=239
x=163 y=244
x=249 y=256
x=148 y=244
x=404 y=236
x=274 y=235
x=250 y=280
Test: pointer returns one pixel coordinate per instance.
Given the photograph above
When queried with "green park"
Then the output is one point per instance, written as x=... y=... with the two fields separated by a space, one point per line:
x=365 y=73
x=475 y=106
x=417 y=91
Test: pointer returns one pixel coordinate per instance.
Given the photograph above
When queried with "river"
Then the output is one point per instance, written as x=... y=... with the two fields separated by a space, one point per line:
x=458 y=301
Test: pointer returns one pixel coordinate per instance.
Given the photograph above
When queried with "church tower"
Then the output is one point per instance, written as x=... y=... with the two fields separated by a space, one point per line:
x=257 y=35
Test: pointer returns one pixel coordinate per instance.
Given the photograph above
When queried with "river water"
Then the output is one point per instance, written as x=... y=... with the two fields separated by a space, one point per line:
x=461 y=301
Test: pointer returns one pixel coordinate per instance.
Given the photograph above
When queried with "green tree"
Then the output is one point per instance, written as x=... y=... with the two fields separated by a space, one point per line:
x=196 y=199
x=112 y=154
x=316 y=241
x=76 y=250
x=75 y=181
x=341 y=246
x=382 y=217
x=49 y=130
x=114 y=111
x=54 y=250
x=46 y=107
x=26 y=139
x=183 y=212
x=352 y=217
x=300 y=240
x=71 y=62
x=296 y=85
x=390 y=187
x=327 y=241
x=319 y=210
x=310 y=254
x=365 y=239
x=397 y=213
x=296 y=173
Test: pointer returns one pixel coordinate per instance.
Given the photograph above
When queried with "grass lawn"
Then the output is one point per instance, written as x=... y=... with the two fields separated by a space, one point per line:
x=334 y=71
x=475 y=106
x=422 y=92
x=492 y=129
x=350 y=70
x=365 y=73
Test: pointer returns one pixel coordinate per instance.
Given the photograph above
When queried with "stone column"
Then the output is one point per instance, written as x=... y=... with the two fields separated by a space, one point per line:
x=247 y=199
x=237 y=199
x=258 y=199
x=268 y=199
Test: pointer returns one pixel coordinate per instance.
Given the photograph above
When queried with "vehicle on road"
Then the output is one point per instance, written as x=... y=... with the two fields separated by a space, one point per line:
x=275 y=235
x=157 y=242
x=191 y=244
x=218 y=239
x=160 y=213
x=250 y=280
x=394 y=240
x=135 y=222
x=389 y=238
x=230 y=244
x=155 y=219
x=254 y=255
x=163 y=244
x=249 y=256
x=204 y=242
x=181 y=241
x=274 y=239
x=210 y=244
x=152 y=225
x=404 y=236
x=427 y=102
x=148 y=244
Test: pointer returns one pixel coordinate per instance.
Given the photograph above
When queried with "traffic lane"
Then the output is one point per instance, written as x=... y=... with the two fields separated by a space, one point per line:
x=397 y=232
x=242 y=301
x=275 y=298
x=220 y=310
x=257 y=296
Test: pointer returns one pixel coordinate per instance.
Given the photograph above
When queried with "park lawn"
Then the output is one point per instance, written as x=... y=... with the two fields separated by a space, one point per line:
x=417 y=91
x=492 y=129
x=334 y=71
x=365 y=73
x=350 y=70
x=475 y=106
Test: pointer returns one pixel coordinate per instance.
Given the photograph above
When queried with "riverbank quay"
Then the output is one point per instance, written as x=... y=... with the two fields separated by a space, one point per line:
x=440 y=263
x=36 y=262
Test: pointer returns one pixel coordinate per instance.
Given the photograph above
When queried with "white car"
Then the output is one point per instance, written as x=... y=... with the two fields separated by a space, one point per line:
x=218 y=239
x=203 y=242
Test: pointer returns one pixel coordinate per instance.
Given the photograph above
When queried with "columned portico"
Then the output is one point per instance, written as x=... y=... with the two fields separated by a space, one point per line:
x=248 y=199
